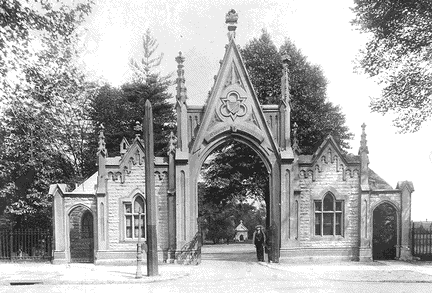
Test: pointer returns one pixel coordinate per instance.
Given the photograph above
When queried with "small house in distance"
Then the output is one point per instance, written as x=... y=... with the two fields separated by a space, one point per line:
x=241 y=233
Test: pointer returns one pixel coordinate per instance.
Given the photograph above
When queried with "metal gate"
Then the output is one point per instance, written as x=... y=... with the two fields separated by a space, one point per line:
x=384 y=239
x=81 y=235
x=421 y=237
x=25 y=245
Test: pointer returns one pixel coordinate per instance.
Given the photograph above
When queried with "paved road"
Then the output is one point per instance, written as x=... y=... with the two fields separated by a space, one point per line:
x=233 y=268
x=233 y=276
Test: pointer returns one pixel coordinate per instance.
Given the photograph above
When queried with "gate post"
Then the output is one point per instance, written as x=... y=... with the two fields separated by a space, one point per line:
x=406 y=188
x=152 y=251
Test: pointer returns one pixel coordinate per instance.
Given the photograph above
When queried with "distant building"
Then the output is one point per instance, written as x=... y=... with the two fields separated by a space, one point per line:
x=241 y=233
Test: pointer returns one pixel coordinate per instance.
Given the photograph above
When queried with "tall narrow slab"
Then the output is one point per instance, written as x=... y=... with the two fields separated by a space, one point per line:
x=152 y=256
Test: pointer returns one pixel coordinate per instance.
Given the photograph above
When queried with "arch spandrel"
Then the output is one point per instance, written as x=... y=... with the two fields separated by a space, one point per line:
x=233 y=107
x=267 y=157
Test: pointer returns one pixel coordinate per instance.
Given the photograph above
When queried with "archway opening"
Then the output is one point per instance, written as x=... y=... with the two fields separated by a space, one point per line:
x=233 y=198
x=81 y=235
x=384 y=232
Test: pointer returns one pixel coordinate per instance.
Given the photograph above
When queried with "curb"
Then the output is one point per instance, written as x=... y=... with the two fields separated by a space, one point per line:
x=154 y=279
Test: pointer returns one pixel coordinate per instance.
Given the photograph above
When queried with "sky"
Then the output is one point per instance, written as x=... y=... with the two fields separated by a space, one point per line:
x=321 y=29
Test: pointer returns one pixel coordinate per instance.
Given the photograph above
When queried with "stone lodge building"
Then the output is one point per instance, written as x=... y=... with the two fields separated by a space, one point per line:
x=321 y=205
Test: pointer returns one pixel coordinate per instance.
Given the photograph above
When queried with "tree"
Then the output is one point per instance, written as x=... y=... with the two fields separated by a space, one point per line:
x=264 y=66
x=235 y=169
x=28 y=165
x=119 y=109
x=398 y=56
x=218 y=220
x=315 y=116
x=29 y=28
x=148 y=64
x=43 y=98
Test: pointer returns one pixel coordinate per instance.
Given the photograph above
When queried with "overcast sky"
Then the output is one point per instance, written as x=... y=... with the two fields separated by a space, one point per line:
x=321 y=29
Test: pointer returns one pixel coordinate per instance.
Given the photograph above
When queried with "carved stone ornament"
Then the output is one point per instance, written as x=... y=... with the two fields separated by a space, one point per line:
x=231 y=17
x=233 y=105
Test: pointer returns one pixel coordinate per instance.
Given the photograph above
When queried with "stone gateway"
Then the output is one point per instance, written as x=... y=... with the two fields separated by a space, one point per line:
x=323 y=205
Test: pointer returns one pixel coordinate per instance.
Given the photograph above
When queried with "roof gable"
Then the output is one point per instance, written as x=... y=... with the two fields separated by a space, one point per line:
x=233 y=106
x=241 y=227
x=133 y=155
x=327 y=151
x=376 y=182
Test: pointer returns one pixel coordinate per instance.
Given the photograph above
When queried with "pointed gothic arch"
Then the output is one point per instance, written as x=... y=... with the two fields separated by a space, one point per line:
x=385 y=230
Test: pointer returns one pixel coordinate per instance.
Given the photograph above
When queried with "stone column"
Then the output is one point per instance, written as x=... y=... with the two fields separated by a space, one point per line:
x=365 y=225
x=171 y=200
x=152 y=251
x=59 y=222
x=406 y=188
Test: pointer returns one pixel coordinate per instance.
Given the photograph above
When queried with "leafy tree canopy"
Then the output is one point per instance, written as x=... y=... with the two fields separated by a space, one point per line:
x=315 y=116
x=118 y=109
x=219 y=221
x=398 y=54
x=43 y=102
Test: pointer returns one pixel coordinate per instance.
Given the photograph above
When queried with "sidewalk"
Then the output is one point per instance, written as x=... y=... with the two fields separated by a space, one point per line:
x=376 y=271
x=46 y=273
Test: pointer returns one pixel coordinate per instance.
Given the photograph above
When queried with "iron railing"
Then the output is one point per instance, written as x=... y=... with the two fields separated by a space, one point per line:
x=25 y=245
x=421 y=237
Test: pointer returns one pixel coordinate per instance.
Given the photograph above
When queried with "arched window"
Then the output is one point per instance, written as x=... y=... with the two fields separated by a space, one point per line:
x=135 y=216
x=328 y=216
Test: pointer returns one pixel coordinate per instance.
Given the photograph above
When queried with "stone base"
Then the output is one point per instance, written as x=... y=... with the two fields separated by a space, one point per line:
x=59 y=257
x=313 y=254
x=117 y=257
x=365 y=254
x=405 y=253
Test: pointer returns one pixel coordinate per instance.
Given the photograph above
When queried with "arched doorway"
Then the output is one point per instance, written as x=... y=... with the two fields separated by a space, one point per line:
x=233 y=188
x=384 y=232
x=81 y=235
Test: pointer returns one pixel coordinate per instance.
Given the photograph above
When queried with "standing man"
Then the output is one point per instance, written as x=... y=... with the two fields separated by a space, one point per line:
x=259 y=239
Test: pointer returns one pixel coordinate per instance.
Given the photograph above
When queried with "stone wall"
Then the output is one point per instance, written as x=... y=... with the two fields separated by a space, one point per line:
x=329 y=175
x=124 y=189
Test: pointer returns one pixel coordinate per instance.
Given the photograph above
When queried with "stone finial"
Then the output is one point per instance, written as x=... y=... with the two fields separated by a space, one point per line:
x=364 y=159
x=363 y=141
x=286 y=59
x=138 y=129
x=181 y=88
x=295 y=144
x=172 y=144
x=285 y=87
x=231 y=19
x=102 y=145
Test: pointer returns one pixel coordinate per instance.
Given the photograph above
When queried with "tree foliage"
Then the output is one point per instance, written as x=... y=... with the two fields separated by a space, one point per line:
x=315 y=116
x=399 y=55
x=235 y=169
x=118 y=109
x=44 y=99
x=149 y=63
x=218 y=221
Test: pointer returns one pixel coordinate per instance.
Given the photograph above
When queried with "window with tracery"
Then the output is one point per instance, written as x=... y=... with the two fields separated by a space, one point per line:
x=135 y=216
x=328 y=216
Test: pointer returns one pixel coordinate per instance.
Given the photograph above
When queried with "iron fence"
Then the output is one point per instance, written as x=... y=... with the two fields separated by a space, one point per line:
x=421 y=237
x=25 y=245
